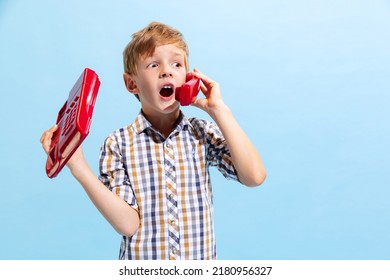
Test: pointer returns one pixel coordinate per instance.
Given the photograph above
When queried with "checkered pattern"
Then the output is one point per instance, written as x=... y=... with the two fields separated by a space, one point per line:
x=167 y=181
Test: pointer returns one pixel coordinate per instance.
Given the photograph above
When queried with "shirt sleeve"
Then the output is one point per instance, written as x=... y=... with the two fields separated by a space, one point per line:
x=218 y=152
x=113 y=173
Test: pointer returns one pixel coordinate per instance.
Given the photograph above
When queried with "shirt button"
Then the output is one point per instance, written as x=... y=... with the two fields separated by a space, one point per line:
x=172 y=222
x=170 y=195
x=174 y=252
x=169 y=146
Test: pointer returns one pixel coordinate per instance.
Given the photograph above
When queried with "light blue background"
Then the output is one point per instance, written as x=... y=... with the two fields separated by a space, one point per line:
x=307 y=80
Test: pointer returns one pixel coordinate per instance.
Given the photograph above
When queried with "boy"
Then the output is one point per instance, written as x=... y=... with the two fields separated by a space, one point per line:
x=154 y=186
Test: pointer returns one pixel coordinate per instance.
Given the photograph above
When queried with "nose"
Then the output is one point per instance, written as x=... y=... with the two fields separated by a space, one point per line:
x=166 y=72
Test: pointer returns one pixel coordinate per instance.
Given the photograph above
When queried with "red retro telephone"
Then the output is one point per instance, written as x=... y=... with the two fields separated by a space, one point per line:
x=73 y=120
x=186 y=94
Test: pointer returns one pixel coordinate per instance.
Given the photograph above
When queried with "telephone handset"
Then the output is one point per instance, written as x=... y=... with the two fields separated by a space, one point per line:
x=73 y=120
x=186 y=94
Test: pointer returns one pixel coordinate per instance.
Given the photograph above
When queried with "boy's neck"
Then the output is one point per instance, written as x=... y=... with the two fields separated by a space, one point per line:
x=165 y=124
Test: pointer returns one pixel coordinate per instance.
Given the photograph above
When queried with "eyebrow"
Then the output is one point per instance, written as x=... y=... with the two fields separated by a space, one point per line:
x=174 y=54
x=178 y=54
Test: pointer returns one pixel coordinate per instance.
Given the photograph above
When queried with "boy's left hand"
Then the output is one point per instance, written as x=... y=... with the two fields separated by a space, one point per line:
x=211 y=91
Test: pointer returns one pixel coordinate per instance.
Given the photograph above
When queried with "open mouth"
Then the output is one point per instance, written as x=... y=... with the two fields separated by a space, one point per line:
x=166 y=91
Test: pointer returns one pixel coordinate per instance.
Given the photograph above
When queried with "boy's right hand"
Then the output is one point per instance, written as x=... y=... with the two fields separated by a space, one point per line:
x=46 y=139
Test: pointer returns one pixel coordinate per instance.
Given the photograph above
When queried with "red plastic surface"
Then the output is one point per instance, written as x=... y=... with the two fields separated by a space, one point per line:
x=74 y=121
x=186 y=94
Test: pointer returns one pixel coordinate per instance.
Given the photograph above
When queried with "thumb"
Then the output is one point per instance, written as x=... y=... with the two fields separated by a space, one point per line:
x=200 y=103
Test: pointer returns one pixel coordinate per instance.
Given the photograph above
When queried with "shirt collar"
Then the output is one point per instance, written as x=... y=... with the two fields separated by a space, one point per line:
x=141 y=124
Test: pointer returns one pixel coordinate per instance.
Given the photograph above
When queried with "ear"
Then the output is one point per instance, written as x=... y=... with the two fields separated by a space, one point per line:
x=131 y=86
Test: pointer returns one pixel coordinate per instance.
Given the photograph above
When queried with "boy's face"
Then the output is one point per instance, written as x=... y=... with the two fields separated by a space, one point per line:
x=157 y=78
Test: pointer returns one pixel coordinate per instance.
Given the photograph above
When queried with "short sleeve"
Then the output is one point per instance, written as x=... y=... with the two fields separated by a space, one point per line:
x=218 y=153
x=113 y=173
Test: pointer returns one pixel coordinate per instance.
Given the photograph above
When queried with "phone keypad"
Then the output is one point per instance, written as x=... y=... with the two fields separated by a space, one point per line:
x=70 y=117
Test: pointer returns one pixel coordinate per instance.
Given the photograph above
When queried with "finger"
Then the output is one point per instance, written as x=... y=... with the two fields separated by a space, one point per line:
x=46 y=145
x=44 y=136
x=48 y=133
x=53 y=128
x=206 y=80
x=41 y=139
x=47 y=137
x=199 y=103
x=203 y=88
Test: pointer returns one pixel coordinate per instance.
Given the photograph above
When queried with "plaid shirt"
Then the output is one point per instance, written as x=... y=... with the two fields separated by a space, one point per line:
x=167 y=181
